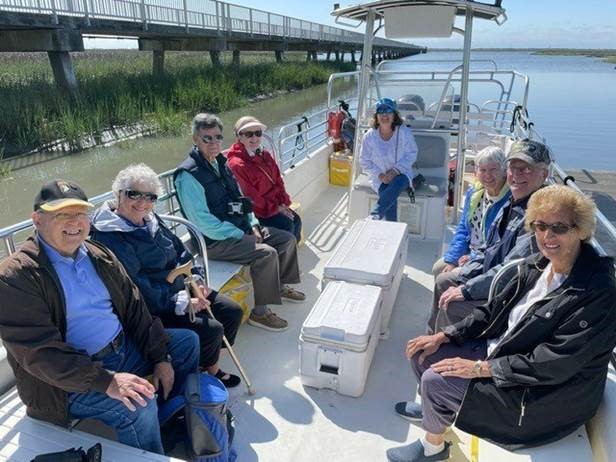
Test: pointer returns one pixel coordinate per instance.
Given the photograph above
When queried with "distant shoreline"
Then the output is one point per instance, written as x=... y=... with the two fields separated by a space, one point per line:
x=606 y=54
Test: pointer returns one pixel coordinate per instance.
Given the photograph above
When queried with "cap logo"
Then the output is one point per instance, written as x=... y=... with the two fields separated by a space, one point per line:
x=64 y=186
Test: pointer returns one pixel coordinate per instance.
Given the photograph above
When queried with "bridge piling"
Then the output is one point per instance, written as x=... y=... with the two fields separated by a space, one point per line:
x=279 y=55
x=63 y=71
x=236 y=58
x=158 y=62
x=215 y=57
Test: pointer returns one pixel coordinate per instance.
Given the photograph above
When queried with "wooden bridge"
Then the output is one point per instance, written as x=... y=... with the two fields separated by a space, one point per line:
x=58 y=27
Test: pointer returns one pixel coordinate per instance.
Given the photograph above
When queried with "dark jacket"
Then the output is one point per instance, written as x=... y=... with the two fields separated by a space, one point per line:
x=219 y=189
x=549 y=373
x=33 y=328
x=260 y=179
x=148 y=256
x=507 y=240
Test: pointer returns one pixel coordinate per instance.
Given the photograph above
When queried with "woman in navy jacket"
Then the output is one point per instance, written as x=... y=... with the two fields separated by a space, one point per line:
x=149 y=251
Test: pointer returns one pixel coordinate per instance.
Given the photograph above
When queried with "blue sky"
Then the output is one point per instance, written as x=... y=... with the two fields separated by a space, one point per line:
x=531 y=23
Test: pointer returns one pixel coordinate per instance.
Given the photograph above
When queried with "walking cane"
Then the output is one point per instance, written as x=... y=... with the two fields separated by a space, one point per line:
x=191 y=286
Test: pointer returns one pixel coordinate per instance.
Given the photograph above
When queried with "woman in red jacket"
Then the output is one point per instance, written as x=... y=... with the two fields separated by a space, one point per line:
x=259 y=177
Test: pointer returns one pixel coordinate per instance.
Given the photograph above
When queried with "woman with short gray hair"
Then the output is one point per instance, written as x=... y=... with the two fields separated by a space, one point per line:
x=482 y=202
x=149 y=250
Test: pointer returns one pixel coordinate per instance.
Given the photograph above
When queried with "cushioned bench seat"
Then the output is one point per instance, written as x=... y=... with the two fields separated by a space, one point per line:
x=433 y=187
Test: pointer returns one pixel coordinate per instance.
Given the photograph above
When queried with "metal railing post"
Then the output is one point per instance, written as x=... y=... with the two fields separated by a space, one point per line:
x=54 y=13
x=185 y=15
x=218 y=13
x=229 y=23
x=269 y=24
x=87 y=11
x=250 y=15
x=143 y=16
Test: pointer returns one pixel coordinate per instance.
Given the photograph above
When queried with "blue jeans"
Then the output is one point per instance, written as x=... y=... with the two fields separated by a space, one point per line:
x=281 y=221
x=387 y=205
x=140 y=428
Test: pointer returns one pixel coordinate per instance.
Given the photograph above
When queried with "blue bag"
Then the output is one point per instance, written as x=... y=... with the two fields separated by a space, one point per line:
x=208 y=421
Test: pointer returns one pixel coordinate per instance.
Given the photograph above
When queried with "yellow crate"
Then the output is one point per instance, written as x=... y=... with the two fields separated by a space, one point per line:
x=239 y=288
x=340 y=166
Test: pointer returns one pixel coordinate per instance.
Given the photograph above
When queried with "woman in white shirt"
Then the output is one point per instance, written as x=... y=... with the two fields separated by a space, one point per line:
x=529 y=367
x=388 y=155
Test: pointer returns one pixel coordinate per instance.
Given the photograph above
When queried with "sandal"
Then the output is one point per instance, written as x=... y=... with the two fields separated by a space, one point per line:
x=230 y=382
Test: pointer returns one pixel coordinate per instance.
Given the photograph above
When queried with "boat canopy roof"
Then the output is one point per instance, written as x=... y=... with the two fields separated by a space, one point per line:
x=491 y=11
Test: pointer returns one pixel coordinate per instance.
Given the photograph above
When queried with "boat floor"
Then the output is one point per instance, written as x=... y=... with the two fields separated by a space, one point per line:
x=285 y=421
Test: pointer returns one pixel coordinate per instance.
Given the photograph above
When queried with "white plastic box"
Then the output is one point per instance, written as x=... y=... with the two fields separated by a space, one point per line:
x=373 y=252
x=339 y=336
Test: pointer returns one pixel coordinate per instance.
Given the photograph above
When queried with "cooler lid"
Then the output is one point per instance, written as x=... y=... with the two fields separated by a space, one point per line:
x=370 y=253
x=344 y=314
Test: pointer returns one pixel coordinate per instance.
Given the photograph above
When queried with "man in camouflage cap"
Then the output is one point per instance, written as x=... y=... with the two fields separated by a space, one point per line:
x=455 y=295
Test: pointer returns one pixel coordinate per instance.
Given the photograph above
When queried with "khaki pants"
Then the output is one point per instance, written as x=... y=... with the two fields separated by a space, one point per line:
x=272 y=263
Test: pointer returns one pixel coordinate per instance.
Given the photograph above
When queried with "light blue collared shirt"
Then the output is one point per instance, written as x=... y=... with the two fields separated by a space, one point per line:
x=90 y=321
x=192 y=196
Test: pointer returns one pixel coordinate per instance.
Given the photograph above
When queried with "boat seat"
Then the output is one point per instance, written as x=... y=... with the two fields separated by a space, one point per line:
x=433 y=187
x=426 y=217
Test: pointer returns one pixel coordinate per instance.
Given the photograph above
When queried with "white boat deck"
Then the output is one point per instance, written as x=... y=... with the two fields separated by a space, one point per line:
x=285 y=421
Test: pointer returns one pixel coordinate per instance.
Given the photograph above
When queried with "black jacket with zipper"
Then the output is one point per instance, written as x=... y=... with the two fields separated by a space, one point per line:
x=549 y=372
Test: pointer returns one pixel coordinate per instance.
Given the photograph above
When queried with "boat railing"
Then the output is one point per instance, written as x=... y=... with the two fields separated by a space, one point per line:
x=303 y=135
x=12 y=236
x=412 y=62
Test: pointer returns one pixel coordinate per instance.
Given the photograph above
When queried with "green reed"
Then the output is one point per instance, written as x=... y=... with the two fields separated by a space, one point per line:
x=117 y=88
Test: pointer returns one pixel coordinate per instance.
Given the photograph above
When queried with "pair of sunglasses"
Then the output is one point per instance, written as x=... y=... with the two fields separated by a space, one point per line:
x=138 y=195
x=212 y=139
x=557 y=228
x=250 y=134
x=385 y=110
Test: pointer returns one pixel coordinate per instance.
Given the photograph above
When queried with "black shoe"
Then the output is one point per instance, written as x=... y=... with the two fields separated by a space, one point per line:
x=414 y=452
x=232 y=381
x=409 y=410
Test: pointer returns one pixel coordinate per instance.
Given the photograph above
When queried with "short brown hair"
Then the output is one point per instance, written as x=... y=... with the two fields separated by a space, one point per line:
x=560 y=197
x=396 y=123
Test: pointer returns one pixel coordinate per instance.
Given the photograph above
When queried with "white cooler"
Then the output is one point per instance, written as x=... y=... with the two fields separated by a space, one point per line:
x=373 y=252
x=339 y=336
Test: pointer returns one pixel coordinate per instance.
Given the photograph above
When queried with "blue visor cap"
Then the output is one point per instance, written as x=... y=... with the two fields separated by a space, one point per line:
x=386 y=106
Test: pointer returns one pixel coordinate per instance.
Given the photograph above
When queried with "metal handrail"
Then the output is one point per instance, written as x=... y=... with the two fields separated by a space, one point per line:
x=221 y=16
x=432 y=61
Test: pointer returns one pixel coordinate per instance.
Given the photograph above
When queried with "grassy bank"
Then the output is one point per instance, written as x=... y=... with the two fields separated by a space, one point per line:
x=117 y=88
x=608 y=55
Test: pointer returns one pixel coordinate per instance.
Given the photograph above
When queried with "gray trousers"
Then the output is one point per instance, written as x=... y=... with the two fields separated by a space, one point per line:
x=272 y=263
x=441 y=397
x=456 y=311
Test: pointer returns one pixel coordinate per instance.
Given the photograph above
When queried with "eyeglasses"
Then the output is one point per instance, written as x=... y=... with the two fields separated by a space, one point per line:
x=250 y=134
x=557 y=228
x=138 y=195
x=520 y=170
x=212 y=139
x=384 y=110
x=63 y=216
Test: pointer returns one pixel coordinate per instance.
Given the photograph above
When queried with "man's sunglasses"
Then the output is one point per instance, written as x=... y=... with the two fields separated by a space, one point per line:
x=250 y=134
x=138 y=195
x=212 y=139
x=557 y=228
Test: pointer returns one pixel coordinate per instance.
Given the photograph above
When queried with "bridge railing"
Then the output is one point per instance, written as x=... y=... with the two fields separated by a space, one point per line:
x=193 y=15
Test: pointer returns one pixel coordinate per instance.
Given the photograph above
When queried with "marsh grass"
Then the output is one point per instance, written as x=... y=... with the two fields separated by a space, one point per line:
x=117 y=88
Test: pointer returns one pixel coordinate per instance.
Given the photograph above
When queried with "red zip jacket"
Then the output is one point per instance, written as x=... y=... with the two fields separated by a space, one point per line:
x=259 y=178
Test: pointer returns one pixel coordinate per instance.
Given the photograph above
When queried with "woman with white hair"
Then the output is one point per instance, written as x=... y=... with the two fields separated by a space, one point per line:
x=482 y=202
x=149 y=250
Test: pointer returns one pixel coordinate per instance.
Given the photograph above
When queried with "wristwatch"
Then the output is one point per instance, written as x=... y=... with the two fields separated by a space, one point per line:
x=477 y=368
